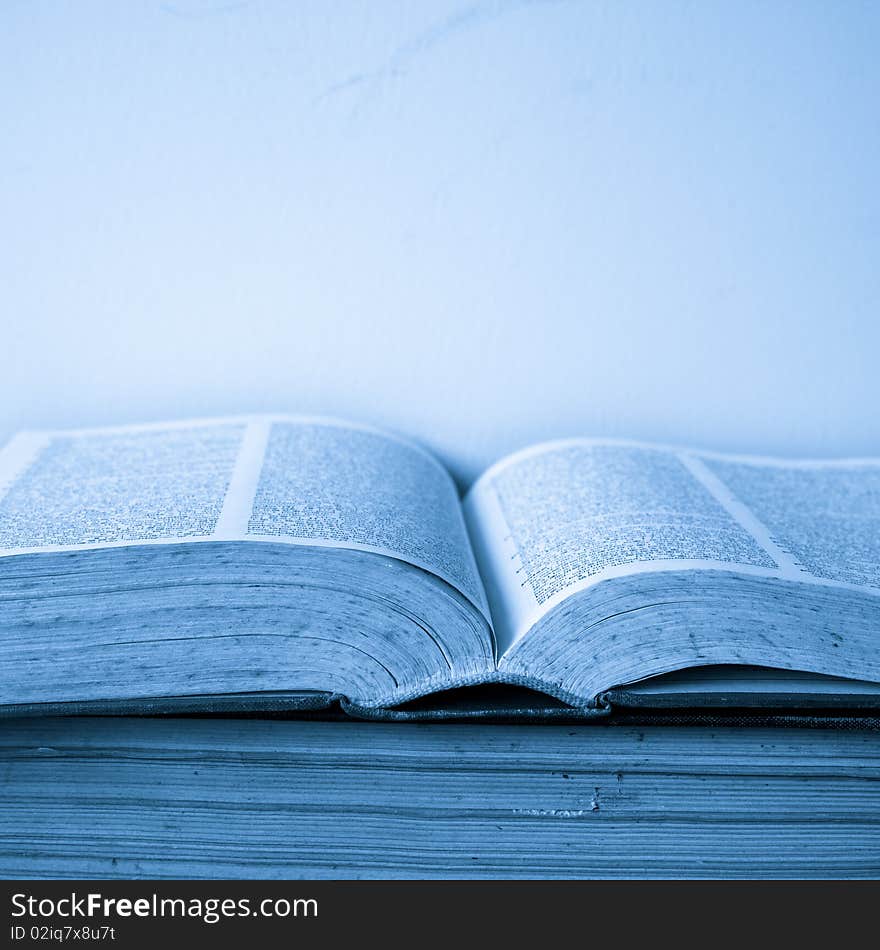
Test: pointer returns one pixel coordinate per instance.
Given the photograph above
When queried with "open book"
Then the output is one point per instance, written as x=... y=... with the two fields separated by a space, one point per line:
x=283 y=563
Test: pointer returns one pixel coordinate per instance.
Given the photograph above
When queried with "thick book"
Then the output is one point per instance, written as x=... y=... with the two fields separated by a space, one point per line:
x=281 y=564
x=227 y=798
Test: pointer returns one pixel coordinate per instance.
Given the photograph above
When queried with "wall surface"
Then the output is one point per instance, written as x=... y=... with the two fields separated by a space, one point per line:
x=482 y=222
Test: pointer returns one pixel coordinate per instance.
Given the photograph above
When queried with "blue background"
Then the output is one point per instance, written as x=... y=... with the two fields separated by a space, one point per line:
x=482 y=223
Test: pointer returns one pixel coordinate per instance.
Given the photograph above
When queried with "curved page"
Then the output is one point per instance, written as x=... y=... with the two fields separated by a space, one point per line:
x=270 y=478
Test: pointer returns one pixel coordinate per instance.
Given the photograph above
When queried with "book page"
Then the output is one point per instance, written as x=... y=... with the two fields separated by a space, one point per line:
x=561 y=517
x=823 y=518
x=98 y=488
x=357 y=487
x=269 y=478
